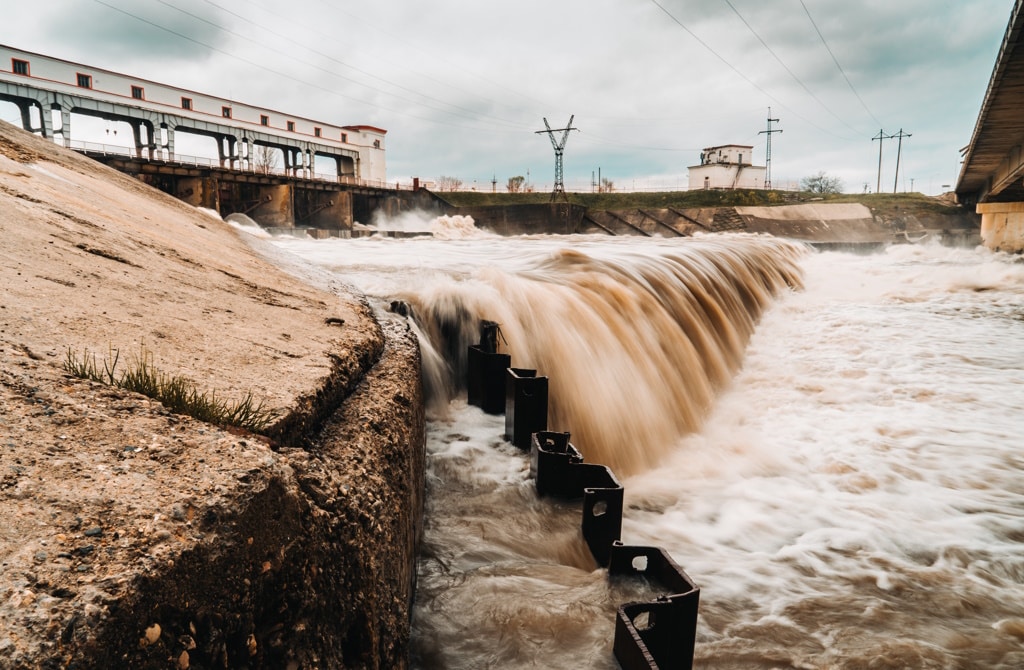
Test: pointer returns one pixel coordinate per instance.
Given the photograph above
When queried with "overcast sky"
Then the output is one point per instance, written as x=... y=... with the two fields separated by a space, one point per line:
x=462 y=86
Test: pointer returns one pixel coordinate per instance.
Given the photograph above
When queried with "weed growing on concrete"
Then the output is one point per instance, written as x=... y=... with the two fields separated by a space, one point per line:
x=176 y=393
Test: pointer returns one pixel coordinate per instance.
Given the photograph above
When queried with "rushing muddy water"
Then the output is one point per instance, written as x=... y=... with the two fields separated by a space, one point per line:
x=847 y=488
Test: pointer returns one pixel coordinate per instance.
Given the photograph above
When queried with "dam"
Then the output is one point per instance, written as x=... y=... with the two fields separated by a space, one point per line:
x=846 y=498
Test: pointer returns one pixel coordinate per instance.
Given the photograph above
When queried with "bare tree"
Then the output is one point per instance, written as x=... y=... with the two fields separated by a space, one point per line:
x=821 y=183
x=515 y=184
x=264 y=159
x=607 y=185
x=448 y=183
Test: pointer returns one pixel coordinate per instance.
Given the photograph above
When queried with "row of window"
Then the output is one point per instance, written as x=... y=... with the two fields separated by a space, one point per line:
x=21 y=67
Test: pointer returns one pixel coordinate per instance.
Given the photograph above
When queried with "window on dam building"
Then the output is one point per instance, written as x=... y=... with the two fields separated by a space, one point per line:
x=84 y=80
x=19 y=66
x=186 y=103
x=138 y=93
x=225 y=112
x=264 y=120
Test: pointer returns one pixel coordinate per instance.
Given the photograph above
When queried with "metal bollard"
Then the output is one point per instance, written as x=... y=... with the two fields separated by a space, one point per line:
x=660 y=633
x=559 y=470
x=485 y=374
x=526 y=406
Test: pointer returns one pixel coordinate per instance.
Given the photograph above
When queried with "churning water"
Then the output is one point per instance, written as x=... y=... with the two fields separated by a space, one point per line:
x=838 y=468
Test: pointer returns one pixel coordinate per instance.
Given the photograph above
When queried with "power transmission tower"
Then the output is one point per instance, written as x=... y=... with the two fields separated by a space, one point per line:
x=881 y=136
x=559 y=146
x=768 y=149
x=899 y=150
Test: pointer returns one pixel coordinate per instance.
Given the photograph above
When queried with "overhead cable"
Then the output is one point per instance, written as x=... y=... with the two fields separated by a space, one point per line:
x=838 y=66
x=786 y=68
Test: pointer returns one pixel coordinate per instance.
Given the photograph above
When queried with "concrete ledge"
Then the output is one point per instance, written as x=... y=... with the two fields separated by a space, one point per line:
x=1002 y=225
x=133 y=537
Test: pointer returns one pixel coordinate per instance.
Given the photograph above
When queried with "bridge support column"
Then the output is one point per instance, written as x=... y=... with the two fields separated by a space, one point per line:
x=227 y=150
x=149 y=143
x=65 y=126
x=45 y=124
x=330 y=210
x=168 y=143
x=199 y=192
x=245 y=149
x=1002 y=225
x=277 y=210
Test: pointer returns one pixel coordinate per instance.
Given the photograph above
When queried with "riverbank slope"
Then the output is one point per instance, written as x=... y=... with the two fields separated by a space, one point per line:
x=135 y=537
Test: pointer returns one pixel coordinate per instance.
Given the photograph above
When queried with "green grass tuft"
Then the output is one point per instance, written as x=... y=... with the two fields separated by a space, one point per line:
x=176 y=393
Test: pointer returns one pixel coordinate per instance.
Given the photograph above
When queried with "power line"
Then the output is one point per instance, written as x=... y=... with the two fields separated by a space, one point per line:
x=335 y=7
x=247 y=61
x=738 y=72
x=786 y=68
x=836 y=61
x=286 y=54
x=473 y=114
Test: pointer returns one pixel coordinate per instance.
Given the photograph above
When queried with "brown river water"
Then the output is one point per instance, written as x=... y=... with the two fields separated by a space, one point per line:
x=828 y=443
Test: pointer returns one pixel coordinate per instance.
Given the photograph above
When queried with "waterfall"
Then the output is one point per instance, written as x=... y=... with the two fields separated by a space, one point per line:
x=635 y=342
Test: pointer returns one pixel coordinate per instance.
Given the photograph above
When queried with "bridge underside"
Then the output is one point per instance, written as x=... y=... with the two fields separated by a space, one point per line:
x=236 y=182
x=992 y=176
x=273 y=201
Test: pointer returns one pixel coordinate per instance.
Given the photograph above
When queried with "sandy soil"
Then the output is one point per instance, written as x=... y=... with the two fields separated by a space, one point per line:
x=104 y=493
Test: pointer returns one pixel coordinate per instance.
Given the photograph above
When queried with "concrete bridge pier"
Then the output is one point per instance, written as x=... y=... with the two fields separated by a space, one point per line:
x=65 y=125
x=245 y=153
x=149 y=143
x=227 y=150
x=167 y=144
x=199 y=192
x=26 y=118
x=277 y=206
x=330 y=210
x=1002 y=225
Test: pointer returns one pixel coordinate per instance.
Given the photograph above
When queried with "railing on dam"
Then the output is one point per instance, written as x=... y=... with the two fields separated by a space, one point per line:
x=115 y=150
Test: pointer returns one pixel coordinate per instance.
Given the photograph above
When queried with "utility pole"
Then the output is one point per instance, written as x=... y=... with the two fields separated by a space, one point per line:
x=559 y=146
x=899 y=148
x=768 y=149
x=494 y=182
x=881 y=136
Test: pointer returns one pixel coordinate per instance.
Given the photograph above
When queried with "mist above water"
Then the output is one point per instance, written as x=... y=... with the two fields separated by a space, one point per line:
x=852 y=497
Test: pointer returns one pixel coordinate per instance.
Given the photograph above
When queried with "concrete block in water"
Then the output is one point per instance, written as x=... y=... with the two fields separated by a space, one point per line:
x=485 y=371
x=560 y=471
x=660 y=633
x=526 y=406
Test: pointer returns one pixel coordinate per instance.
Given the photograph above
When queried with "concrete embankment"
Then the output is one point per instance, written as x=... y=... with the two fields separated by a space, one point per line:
x=824 y=223
x=135 y=537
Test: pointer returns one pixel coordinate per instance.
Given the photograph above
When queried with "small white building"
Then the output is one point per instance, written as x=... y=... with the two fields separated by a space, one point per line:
x=728 y=166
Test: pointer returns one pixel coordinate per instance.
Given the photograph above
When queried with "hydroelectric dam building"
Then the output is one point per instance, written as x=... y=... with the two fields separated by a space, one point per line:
x=329 y=175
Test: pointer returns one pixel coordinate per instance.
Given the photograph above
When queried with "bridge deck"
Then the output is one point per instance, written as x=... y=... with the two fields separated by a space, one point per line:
x=993 y=165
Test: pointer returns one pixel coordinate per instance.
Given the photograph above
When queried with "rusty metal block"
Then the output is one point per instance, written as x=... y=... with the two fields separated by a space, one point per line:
x=526 y=406
x=485 y=373
x=559 y=471
x=660 y=633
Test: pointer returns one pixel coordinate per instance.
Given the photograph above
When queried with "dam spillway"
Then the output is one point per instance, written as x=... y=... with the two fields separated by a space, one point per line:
x=848 y=499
